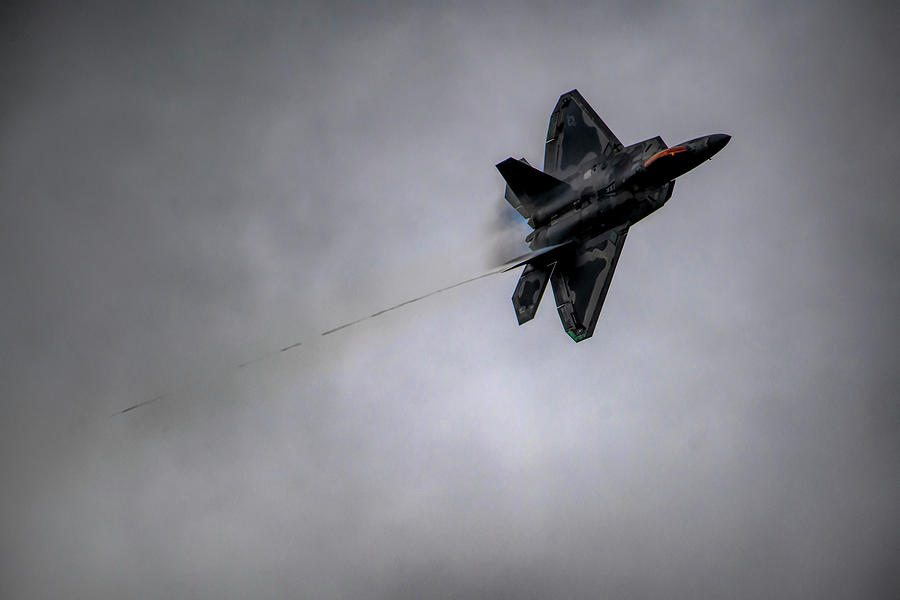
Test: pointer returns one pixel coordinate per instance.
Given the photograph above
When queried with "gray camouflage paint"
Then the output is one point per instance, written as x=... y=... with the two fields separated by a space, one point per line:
x=591 y=191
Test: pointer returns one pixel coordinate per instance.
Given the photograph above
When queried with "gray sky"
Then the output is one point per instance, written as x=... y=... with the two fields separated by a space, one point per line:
x=187 y=188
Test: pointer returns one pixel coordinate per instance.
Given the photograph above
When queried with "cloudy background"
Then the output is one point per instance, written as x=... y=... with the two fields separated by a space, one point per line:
x=188 y=187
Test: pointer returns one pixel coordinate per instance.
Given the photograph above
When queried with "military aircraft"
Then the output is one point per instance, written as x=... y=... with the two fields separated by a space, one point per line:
x=592 y=189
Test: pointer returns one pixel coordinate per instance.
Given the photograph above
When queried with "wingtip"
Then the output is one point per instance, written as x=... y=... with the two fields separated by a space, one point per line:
x=504 y=162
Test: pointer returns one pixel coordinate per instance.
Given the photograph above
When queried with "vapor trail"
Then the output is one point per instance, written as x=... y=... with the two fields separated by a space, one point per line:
x=396 y=306
x=505 y=267
x=144 y=403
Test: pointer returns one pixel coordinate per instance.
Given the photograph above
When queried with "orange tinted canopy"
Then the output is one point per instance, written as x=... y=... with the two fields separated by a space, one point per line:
x=667 y=152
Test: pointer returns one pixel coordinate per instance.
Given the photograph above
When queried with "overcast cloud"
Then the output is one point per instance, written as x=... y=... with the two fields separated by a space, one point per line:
x=186 y=188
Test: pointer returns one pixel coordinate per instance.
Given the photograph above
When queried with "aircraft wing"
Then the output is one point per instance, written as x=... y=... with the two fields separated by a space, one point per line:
x=575 y=134
x=581 y=279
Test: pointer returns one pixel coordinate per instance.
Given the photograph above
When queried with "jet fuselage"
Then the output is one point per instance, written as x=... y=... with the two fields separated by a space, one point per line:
x=624 y=188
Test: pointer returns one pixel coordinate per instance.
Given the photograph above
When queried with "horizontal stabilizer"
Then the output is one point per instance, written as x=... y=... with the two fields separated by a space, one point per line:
x=529 y=290
x=539 y=265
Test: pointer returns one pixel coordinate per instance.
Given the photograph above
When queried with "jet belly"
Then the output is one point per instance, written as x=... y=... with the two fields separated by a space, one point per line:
x=559 y=230
x=599 y=213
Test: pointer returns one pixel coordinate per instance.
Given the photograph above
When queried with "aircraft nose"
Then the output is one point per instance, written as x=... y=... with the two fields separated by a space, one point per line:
x=716 y=142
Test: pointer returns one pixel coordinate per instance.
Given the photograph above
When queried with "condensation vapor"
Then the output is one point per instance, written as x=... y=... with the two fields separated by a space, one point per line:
x=505 y=266
x=506 y=232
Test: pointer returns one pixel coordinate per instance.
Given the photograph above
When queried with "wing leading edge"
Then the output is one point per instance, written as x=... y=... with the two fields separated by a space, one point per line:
x=581 y=279
x=576 y=133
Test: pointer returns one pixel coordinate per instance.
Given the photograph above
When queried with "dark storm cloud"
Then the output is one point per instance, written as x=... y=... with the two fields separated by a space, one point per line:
x=188 y=188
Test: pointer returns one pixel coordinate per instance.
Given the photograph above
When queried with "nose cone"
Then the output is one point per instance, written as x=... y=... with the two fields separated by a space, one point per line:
x=716 y=142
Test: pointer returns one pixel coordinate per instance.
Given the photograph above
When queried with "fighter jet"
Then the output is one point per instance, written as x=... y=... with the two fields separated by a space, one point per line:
x=580 y=207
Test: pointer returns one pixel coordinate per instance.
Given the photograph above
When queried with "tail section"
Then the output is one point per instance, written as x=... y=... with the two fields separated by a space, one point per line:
x=530 y=289
x=539 y=267
x=527 y=187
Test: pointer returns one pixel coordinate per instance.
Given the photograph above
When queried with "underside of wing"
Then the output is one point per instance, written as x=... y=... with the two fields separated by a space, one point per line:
x=576 y=134
x=581 y=279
